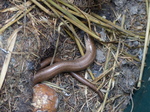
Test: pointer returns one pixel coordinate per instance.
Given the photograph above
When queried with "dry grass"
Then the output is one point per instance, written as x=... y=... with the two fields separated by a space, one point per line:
x=69 y=15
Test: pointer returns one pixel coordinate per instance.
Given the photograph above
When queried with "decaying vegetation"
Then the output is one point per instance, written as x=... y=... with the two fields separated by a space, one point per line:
x=35 y=29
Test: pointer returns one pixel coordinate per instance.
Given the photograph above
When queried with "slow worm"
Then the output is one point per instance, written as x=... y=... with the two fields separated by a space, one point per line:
x=69 y=66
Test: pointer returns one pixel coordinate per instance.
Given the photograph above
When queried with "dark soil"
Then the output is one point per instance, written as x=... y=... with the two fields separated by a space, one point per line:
x=32 y=46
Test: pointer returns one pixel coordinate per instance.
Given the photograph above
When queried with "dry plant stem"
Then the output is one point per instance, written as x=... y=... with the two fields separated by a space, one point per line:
x=108 y=54
x=56 y=13
x=113 y=98
x=56 y=47
x=102 y=75
x=76 y=23
x=102 y=83
x=25 y=16
x=123 y=21
x=25 y=53
x=107 y=58
x=77 y=42
x=132 y=102
x=76 y=38
x=43 y=8
x=90 y=72
x=147 y=5
x=146 y=44
x=86 y=17
x=64 y=11
x=101 y=109
x=108 y=24
x=69 y=27
x=129 y=55
x=57 y=42
x=91 y=33
x=116 y=108
x=71 y=6
x=91 y=18
x=116 y=26
x=33 y=29
x=85 y=103
x=106 y=72
x=17 y=7
x=14 y=16
x=54 y=85
x=10 y=43
x=12 y=22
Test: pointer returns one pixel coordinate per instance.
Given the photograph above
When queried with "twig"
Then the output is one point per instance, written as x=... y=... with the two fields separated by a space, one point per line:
x=147 y=36
x=102 y=75
x=57 y=42
x=110 y=81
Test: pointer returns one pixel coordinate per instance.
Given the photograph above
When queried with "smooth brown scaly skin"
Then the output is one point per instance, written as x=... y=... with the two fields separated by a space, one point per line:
x=81 y=79
x=69 y=66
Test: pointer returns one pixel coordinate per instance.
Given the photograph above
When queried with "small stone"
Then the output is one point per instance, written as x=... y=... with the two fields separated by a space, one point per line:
x=119 y=2
x=45 y=99
x=133 y=10
x=100 y=56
